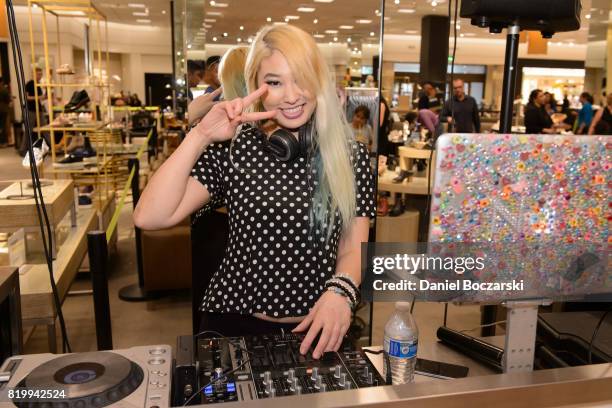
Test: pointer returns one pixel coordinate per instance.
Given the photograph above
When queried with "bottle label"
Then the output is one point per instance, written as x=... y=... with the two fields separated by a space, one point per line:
x=401 y=349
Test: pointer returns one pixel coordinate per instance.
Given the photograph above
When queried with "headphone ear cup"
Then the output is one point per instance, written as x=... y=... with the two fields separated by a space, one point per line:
x=283 y=145
x=305 y=138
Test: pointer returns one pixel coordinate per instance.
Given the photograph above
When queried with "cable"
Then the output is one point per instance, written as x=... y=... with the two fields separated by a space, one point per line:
x=41 y=211
x=601 y=320
x=481 y=326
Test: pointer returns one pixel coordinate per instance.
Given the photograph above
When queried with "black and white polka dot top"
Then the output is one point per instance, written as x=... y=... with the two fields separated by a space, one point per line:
x=275 y=263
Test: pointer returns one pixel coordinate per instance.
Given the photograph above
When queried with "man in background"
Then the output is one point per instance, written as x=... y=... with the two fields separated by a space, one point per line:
x=464 y=110
x=195 y=72
x=211 y=74
x=429 y=98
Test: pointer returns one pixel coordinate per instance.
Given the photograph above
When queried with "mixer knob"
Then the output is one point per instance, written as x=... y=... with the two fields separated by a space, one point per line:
x=342 y=381
x=269 y=387
x=218 y=373
x=272 y=393
x=318 y=382
x=295 y=384
x=298 y=390
x=188 y=390
x=323 y=388
x=347 y=385
x=337 y=371
x=370 y=378
x=290 y=375
x=315 y=373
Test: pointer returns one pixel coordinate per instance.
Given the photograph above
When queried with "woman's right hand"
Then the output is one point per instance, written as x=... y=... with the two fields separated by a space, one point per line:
x=221 y=122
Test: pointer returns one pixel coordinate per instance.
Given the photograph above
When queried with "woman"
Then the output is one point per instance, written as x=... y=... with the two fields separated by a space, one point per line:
x=361 y=128
x=537 y=119
x=585 y=116
x=602 y=122
x=295 y=226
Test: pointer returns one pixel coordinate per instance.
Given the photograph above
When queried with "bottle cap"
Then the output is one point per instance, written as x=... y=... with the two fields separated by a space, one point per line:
x=402 y=306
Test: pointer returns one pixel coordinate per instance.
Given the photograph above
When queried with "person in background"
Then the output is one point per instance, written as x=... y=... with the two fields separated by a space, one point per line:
x=585 y=116
x=465 y=111
x=429 y=98
x=566 y=104
x=550 y=104
x=602 y=122
x=5 y=103
x=32 y=92
x=537 y=120
x=211 y=74
x=361 y=129
x=195 y=71
x=135 y=101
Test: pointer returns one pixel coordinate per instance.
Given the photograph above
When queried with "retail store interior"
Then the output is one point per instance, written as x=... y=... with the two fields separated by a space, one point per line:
x=109 y=89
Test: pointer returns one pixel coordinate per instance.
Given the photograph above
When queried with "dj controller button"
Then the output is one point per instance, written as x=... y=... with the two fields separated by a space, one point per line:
x=162 y=373
x=157 y=351
x=156 y=361
x=153 y=382
x=337 y=371
x=243 y=377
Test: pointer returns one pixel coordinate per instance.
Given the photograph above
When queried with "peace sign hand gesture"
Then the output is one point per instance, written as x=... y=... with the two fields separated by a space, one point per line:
x=221 y=122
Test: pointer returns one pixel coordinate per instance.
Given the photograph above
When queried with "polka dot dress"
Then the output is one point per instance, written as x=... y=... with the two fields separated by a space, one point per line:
x=275 y=262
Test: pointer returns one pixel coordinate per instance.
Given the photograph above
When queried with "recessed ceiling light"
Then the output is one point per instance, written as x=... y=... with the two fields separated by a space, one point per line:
x=214 y=13
x=372 y=34
x=346 y=27
x=406 y=11
x=588 y=16
x=225 y=34
x=461 y=35
x=411 y=32
x=210 y=20
x=143 y=20
x=189 y=46
x=331 y=31
x=335 y=38
x=217 y=4
x=249 y=40
x=316 y=21
x=141 y=13
x=349 y=40
x=363 y=21
x=269 y=19
x=163 y=11
x=306 y=9
x=207 y=26
x=292 y=17
x=319 y=36
x=434 y=3
x=323 y=1
x=280 y=23
x=214 y=38
x=239 y=39
x=136 y=5
x=241 y=28
x=397 y=1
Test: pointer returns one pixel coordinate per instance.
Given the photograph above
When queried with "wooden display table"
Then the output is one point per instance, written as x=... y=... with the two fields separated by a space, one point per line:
x=37 y=305
x=403 y=228
x=21 y=213
x=416 y=184
x=9 y=292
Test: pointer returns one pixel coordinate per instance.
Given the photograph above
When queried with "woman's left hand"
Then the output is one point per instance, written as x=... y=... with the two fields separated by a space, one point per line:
x=332 y=316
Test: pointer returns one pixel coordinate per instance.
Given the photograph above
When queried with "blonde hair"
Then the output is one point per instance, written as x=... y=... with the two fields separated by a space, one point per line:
x=333 y=137
x=231 y=73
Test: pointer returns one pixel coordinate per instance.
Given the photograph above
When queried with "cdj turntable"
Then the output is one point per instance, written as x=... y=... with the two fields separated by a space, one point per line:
x=214 y=370
x=135 y=377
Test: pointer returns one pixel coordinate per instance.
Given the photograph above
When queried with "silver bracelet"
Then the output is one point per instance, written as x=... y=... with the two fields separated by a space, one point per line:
x=340 y=292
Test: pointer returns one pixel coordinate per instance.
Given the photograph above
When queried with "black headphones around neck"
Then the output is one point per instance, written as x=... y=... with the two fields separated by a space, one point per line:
x=285 y=147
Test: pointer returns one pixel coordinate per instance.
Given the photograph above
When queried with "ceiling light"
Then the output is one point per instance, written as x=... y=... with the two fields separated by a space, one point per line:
x=306 y=9
x=319 y=36
x=461 y=35
x=396 y=1
x=316 y=20
x=217 y=4
x=346 y=27
x=143 y=20
x=406 y=11
x=363 y=21
x=330 y=43
x=207 y=26
x=189 y=46
x=372 y=34
x=323 y=1
x=163 y=11
x=210 y=20
x=239 y=39
x=331 y=31
x=292 y=17
x=141 y=13
x=434 y=3
x=250 y=40
x=286 y=20
x=348 y=40
x=212 y=3
x=411 y=32
x=214 y=38
x=136 y=5
x=280 y=23
x=269 y=19
x=224 y=34
x=588 y=16
x=355 y=62
x=34 y=5
x=241 y=28
x=178 y=53
x=214 y=13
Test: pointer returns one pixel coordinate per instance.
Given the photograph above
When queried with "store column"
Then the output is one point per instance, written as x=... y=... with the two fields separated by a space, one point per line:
x=434 y=49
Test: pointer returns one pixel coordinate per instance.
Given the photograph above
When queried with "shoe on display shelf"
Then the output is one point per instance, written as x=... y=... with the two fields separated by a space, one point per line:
x=398 y=208
x=65 y=69
x=84 y=200
x=40 y=149
x=69 y=161
x=403 y=175
x=79 y=99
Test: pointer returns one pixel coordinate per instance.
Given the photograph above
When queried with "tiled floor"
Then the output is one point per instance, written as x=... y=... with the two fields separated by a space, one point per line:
x=160 y=321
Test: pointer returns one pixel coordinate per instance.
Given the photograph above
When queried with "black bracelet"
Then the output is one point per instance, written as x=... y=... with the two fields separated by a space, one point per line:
x=343 y=289
x=352 y=285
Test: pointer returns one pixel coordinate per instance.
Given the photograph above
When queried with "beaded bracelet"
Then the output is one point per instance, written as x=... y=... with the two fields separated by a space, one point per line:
x=351 y=283
x=348 y=293
x=340 y=292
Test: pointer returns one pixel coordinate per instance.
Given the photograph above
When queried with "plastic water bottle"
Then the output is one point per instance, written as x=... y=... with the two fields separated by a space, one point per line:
x=400 y=344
